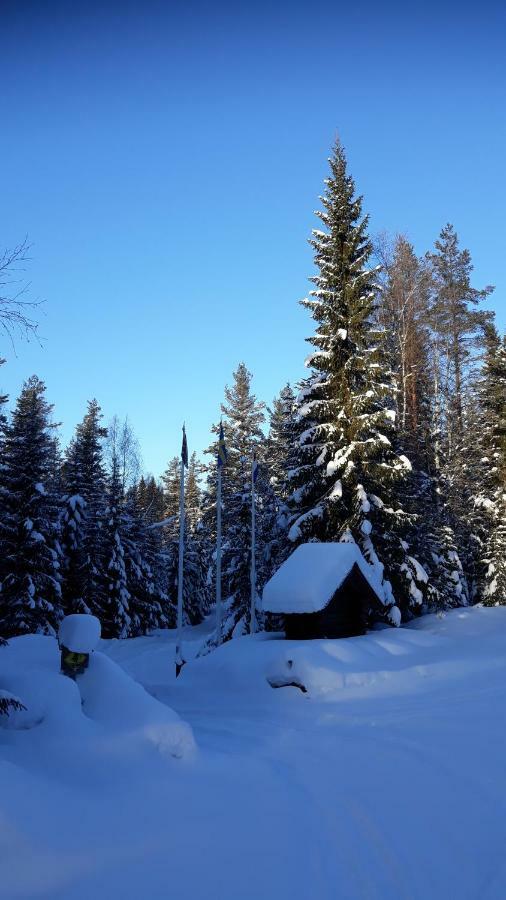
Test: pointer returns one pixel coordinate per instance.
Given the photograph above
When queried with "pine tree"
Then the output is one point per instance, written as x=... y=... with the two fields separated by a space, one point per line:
x=404 y=312
x=347 y=470
x=457 y=328
x=30 y=563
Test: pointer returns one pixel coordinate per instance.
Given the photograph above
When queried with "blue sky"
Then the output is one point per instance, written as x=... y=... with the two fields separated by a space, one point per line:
x=165 y=161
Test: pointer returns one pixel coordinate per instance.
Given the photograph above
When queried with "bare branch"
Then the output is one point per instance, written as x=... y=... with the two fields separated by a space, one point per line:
x=15 y=308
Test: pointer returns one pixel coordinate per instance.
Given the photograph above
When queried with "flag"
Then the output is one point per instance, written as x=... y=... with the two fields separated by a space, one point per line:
x=254 y=469
x=222 y=450
x=184 y=450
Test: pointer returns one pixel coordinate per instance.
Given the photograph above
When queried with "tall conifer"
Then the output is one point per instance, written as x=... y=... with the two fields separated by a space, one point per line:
x=347 y=468
x=30 y=597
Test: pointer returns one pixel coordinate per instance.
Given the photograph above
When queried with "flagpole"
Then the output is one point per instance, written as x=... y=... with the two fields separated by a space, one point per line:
x=252 y=627
x=218 y=558
x=180 y=568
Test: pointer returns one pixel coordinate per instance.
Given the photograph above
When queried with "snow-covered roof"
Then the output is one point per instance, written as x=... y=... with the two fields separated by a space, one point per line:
x=308 y=579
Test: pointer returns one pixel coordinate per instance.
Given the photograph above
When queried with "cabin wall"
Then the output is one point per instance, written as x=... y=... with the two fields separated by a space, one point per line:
x=344 y=615
x=303 y=626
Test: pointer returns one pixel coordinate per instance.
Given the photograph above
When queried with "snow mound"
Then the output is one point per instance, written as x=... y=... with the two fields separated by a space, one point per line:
x=104 y=706
x=120 y=704
x=308 y=579
x=79 y=633
x=385 y=662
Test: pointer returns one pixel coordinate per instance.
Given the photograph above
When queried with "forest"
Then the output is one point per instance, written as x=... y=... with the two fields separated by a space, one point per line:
x=395 y=439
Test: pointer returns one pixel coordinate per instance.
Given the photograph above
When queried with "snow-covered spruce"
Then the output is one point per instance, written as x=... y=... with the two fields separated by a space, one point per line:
x=30 y=596
x=491 y=500
x=344 y=480
x=243 y=416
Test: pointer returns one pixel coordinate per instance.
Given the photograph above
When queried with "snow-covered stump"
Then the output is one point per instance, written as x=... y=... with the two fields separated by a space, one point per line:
x=78 y=636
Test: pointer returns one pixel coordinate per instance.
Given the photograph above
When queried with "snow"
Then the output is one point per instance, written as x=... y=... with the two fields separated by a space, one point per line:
x=79 y=633
x=333 y=465
x=295 y=533
x=384 y=781
x=420 y=573
x=365 y=506
x=337 y=490
x=102 y=708
x=307 y=580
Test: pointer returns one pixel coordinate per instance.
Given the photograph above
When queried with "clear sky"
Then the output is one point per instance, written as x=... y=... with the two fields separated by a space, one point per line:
x=165 y=160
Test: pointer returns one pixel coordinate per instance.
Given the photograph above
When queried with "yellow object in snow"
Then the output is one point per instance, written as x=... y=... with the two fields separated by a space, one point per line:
x=73 y=663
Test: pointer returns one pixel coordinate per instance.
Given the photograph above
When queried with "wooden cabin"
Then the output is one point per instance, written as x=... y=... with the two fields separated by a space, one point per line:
x=324 y=591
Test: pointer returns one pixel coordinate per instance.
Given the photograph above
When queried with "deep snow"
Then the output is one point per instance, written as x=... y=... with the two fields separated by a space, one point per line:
x=386 y=780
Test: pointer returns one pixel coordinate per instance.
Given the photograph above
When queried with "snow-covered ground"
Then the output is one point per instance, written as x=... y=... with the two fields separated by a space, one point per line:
x=387 y=779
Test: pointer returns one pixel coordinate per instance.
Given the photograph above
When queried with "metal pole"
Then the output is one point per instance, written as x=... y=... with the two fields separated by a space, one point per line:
x=180 y=575
x=218 y=559
x=252 y=627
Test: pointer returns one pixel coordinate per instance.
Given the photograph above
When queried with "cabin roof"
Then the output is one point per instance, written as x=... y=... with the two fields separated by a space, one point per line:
x=309 y=578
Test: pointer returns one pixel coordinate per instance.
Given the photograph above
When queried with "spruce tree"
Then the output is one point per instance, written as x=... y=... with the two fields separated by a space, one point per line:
x=171 y=480
x=347 y=470
x=193 y=493
x=243 y=416
x=84 y=516
x=3 y=399
x=197 y=550
x=280 y=441
x=8 y=702
x=30 y=560
x=491 y=499
x=115 y=595
x=145 y=558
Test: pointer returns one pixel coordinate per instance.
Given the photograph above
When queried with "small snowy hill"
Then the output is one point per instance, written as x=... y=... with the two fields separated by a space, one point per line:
x=385 y=780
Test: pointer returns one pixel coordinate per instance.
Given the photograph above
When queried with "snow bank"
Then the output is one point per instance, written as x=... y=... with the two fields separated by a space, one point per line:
x=122 y=706
x=307 y=580
x=104 y=704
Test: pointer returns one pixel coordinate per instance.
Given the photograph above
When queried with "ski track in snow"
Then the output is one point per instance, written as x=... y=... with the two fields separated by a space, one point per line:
x=386 y=781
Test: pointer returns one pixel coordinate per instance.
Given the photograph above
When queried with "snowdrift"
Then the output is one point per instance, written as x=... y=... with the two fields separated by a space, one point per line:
x=104 y=705
x=372 y=784
x=387 y=660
